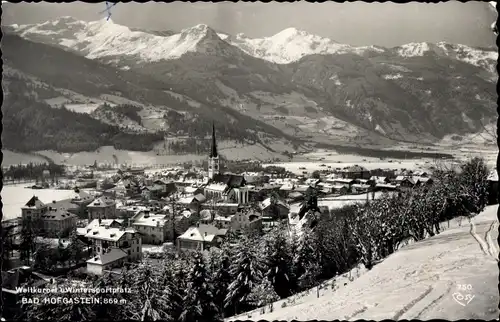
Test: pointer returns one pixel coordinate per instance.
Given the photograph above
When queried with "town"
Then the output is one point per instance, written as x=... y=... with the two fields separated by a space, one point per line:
x=132 y=215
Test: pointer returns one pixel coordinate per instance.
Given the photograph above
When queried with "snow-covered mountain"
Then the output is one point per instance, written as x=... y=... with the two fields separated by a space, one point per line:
x=303 y=85
x=102 y=38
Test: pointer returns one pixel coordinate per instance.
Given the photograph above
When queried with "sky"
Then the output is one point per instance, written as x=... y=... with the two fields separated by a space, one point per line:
x=355 y=23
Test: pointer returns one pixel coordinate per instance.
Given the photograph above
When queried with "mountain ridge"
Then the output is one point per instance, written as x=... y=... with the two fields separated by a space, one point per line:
x=325 y=92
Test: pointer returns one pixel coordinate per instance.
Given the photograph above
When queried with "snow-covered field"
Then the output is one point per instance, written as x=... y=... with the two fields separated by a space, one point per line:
x=423 y=280
x=16 y=196
x=350 y=160
x=342 y=201
x=82 y=108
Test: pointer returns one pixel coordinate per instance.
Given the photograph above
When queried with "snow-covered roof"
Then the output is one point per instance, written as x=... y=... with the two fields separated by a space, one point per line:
x=203 y=232
x=287 y=186
x=113 y=255
x=217 y=187
x=109 y=234
x=360 y=186
x=341 y=180
x=151 y=220
x=190 y=189
x=103 y=201
x=267 y=202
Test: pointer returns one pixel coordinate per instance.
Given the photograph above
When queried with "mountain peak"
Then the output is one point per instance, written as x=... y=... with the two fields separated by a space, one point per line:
x=290 y=33
x=199 y=31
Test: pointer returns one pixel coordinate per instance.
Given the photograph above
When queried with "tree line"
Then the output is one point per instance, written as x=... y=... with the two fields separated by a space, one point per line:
x=250 y=271
x=32 y=171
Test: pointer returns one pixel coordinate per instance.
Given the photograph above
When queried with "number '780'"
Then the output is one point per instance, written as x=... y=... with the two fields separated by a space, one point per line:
x=464 y=287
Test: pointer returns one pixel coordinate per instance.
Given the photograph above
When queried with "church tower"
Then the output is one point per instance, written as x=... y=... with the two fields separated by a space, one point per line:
x=213 y=161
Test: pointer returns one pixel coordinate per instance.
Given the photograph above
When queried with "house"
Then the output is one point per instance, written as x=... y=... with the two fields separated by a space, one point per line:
x=191 y=191
x=356 y=172
x=385 y=187
x=58 y=222
x=112 y=247
x=360 y=188
x=207 y=216
x=423 y=180
x=33 y=208
x=303 y=189
x=201 y=237
x=295 y=196
x=406 y=181
x=246 y=220
x=225 y=207
x=344 y=182
x=166 y=188
x=151 y=192
x=193 y=202
x=152 y=228
x=312 y=182
x=103 y=207
x=341 y=189
x=274 y=208
x=493 y=187
x=286 y=189
x=374 y=180
x=113 y=223
x=82 y=199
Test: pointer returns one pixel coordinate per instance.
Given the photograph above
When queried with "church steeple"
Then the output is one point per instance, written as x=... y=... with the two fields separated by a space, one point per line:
x=213 y=160
x=213 y=150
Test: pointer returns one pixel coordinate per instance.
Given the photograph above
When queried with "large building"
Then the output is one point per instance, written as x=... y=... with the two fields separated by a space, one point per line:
x=102 y=208
x=152 y=227
x=58 y=222
x=201 y=237
x=112 y=246
x=55 y=219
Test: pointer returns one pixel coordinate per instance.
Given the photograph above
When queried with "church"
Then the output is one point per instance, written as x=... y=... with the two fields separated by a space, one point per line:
x=223 y=188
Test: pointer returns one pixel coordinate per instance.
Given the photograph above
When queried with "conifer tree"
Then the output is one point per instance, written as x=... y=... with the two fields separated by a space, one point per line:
x=263 y=295
x=221 y=277
x=280 y=263
x=198 y=301
x=146 y=301
x=246 y=270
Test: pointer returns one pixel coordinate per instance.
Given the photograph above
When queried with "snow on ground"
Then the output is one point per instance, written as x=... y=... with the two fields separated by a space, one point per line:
x=420 y=281
x=311 y=166
x=82 y=108
x=105 y=155
x=346 y=200
x=147 y=248
x=16 y=196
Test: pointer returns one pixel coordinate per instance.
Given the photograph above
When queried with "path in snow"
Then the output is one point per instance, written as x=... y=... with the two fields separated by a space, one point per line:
x=420 y=281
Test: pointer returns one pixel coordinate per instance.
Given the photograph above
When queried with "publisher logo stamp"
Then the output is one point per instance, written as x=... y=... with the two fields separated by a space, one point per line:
x=463 y=295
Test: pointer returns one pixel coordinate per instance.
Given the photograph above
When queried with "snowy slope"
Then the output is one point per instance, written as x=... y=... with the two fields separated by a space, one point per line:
x=417 y=282
x=104 y=38
x=287 y=46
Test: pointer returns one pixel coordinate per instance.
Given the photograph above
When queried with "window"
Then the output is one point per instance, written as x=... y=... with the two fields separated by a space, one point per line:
x=98 y=249
x=128 y=252
x=137 y=248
